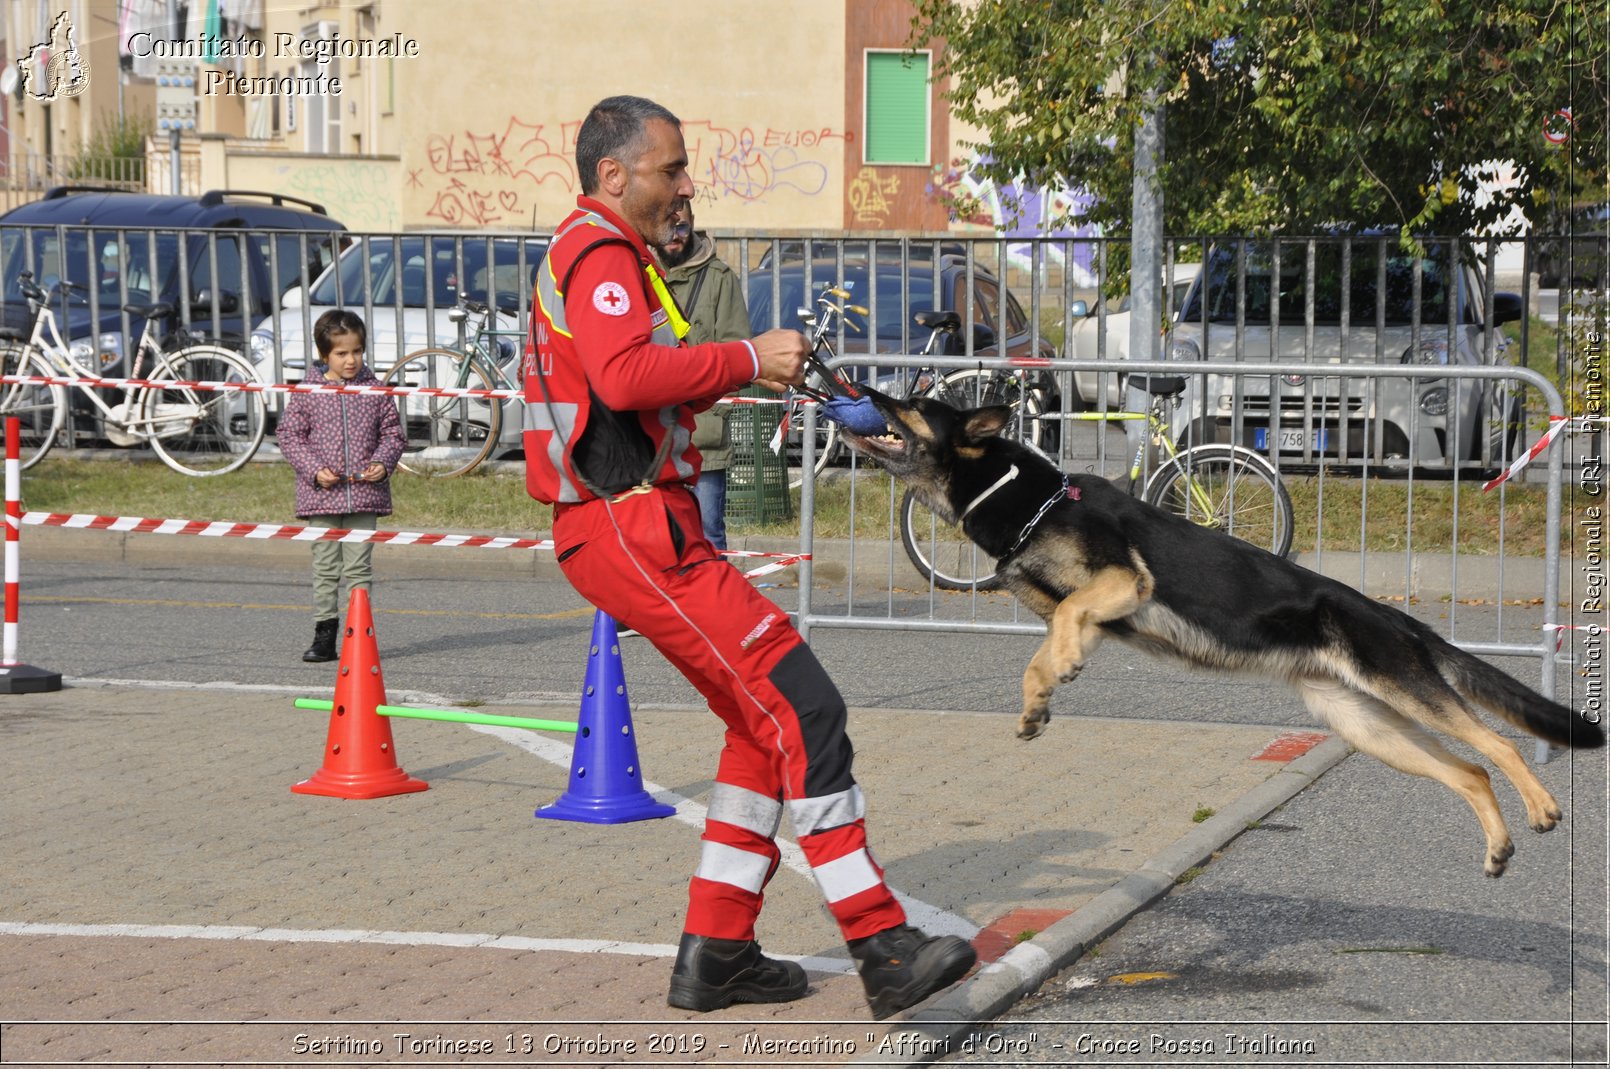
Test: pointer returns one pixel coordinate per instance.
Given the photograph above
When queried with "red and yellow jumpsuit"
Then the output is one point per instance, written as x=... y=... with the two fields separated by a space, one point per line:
x=610 y=397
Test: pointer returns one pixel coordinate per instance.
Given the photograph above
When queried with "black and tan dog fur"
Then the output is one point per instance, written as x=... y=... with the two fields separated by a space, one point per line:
x=1101 y=564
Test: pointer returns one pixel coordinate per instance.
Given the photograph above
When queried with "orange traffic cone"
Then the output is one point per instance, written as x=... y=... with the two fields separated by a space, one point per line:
x=360 y=760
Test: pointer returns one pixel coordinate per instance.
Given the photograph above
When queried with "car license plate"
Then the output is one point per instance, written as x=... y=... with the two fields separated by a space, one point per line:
x=1292 y=439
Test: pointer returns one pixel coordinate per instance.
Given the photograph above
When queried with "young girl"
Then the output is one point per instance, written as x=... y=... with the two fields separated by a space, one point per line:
x=344 y=448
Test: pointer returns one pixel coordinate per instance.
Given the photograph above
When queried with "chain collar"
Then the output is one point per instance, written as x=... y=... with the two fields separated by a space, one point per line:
x=1066 y=490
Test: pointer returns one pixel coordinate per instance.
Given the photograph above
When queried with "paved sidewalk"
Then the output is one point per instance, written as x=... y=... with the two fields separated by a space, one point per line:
x=160 y=870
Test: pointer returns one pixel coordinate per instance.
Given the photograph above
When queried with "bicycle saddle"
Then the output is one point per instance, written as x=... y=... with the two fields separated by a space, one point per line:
x=937 y=320
x=160 y=310
x=1160 y=385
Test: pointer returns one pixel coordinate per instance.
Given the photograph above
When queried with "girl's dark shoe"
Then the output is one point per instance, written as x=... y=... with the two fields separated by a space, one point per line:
x=323 y=648
x=713 y=973
x=901 y=966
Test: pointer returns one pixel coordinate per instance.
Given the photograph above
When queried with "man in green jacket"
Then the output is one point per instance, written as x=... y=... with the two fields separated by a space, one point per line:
x=708 y=293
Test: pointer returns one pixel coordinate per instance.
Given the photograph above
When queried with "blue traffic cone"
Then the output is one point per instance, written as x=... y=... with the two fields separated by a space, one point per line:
x=606 y=785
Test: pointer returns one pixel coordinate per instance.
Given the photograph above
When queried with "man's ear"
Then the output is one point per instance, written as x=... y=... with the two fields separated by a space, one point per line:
x=984 y=423
x=612 y=176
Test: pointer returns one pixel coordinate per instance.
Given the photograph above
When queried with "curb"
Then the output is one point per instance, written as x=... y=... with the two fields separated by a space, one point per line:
x=1019 y=973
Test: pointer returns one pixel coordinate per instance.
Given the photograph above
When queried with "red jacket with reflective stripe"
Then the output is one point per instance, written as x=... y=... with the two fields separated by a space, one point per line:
x=605 y=380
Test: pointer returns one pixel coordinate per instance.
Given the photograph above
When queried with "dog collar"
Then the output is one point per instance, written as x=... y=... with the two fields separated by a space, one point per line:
x=1002 y=481
x=1066 y=490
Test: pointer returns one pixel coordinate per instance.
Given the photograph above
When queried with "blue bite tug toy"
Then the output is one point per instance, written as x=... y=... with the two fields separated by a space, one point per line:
x=856 y=414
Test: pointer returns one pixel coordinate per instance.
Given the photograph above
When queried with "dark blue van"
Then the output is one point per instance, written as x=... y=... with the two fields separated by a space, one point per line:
x=229 y=254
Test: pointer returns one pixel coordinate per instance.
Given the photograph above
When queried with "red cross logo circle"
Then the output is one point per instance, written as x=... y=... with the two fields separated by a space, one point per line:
x=611 y=299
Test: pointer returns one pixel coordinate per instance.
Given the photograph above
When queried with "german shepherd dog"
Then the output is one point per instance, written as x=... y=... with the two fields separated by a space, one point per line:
x=1094 y=562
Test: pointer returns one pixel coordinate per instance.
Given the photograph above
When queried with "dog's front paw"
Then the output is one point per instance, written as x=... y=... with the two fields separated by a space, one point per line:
x=1032 y=724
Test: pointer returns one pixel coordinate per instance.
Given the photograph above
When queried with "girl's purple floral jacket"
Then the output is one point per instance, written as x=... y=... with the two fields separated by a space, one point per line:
x=344 y=432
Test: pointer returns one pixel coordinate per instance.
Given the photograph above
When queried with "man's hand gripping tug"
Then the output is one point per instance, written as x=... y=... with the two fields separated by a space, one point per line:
x=782 y=355
x=843 y=403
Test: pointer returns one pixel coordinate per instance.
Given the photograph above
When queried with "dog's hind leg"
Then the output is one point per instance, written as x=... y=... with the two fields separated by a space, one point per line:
x=1447 y=712
x=1075 y=632
x=1375 y=728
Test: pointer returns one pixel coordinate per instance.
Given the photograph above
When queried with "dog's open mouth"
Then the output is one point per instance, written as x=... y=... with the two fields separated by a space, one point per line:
x=887 y=444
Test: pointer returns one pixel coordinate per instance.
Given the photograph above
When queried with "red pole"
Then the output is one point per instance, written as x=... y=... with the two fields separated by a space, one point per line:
x=15 y=677
x=13 y=530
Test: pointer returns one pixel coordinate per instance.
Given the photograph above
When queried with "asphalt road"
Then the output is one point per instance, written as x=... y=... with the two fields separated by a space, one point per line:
x=1354 y=927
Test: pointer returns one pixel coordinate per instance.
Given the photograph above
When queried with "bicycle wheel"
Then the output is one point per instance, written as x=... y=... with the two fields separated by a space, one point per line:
x=40 y=410
x=1228 y=489
x=940 y=550
x=977 y=388
x=446 y=435
x=202 y=432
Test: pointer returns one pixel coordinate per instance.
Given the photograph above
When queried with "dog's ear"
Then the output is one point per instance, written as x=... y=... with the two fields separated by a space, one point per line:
x=982 y=423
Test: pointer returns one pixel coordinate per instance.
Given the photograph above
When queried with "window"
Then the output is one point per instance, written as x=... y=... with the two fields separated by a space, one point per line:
x=1396 y=303
x=897 y=108
x=288 y=262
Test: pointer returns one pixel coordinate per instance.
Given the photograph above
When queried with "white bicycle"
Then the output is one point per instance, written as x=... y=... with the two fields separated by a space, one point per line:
x=195 y=432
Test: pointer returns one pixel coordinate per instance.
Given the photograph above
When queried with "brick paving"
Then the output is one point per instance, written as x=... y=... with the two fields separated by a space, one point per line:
x=254 y=916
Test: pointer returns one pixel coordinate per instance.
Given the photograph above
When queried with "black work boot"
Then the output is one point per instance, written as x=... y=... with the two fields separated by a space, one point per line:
x=712 y=973
x=901 y=966
x=323 y=648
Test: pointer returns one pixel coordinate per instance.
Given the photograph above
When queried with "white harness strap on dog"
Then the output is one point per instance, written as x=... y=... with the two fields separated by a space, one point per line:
x=1002 y=481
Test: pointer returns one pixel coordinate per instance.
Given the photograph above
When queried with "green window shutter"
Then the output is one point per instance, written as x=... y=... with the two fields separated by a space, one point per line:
x=896 y=108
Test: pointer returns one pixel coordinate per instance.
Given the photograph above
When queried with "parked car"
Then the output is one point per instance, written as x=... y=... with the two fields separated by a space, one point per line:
x=1578 y=256
x=999 y=325
x=1429 y=421
x=1084 y=341
x=405 y=288
x=238 y=250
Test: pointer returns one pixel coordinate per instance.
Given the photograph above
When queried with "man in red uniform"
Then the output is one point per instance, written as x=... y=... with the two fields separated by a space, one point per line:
x=610 y=397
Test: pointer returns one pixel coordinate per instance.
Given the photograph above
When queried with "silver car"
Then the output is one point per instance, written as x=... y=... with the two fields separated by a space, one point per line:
x=1085 y=341
x=1361 y=300
x=405 y=288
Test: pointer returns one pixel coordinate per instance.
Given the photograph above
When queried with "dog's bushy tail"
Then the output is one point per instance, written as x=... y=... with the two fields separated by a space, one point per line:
x=1481 y=683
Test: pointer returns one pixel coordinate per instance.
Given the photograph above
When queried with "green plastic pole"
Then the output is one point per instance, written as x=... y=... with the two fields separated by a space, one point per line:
x=453 y=716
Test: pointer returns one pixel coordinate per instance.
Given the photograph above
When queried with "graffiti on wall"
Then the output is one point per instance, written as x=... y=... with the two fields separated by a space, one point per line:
x=360 y=195
x=871 y=197
x=494 y=176
x=1019 y=211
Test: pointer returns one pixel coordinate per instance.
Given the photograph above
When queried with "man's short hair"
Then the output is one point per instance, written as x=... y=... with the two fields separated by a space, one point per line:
x=614 y=130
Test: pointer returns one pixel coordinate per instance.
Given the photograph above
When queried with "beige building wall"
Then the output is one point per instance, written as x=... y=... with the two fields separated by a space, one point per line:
x=491 y=129
x=477 y=130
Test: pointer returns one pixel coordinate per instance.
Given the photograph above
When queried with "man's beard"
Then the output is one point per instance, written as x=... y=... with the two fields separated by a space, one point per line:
x=656 y=229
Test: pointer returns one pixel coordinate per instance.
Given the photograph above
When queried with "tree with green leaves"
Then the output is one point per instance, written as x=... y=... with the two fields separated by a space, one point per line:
x=1285 y=115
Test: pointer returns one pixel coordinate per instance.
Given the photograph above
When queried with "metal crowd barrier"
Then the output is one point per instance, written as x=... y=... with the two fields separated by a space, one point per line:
x=862 y=582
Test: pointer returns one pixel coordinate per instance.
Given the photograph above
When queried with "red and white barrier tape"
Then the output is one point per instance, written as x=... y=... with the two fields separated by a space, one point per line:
x=299 y=533
x=300 y=387
x=1593 y=630
x=1557 y=427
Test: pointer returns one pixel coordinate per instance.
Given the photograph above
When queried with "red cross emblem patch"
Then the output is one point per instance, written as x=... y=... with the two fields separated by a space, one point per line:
x=611 y=299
